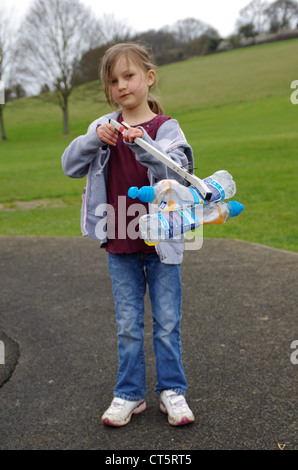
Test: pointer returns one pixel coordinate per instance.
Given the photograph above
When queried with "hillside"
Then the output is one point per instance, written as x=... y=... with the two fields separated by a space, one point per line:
x=235 y=110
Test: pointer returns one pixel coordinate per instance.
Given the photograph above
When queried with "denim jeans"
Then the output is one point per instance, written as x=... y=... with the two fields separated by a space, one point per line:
x=130 y=273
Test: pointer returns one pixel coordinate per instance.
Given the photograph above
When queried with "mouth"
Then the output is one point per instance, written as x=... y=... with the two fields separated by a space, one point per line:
x=125 y=95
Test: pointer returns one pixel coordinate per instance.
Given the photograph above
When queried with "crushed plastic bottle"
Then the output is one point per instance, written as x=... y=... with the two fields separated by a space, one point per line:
x=170 y=195
x=166 y=225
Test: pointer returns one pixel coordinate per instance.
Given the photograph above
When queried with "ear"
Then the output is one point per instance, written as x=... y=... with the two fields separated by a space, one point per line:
x=151 y=78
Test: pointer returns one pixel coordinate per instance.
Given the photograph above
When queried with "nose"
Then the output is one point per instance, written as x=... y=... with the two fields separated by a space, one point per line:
x=122 y=84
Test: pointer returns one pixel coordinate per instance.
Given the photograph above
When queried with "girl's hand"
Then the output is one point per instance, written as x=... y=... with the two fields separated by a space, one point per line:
x=132 y=133
x=107 y=133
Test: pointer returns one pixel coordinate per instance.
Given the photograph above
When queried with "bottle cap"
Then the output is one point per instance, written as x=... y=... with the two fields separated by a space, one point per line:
x=145 y=194
x=133 y=192
x=235 y=208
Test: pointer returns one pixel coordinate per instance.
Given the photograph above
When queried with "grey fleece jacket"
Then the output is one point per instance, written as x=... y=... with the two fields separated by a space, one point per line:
x=87 y=155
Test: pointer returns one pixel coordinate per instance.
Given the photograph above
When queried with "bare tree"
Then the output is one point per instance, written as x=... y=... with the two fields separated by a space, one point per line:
x=53 y=37
x=113 y=30
x=253 y=20
x=282 y=14
x=190 y=29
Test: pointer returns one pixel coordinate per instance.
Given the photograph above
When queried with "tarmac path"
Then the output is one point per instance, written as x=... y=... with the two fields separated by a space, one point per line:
x=58 y=334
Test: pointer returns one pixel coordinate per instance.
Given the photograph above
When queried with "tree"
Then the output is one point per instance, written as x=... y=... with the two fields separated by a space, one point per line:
x=282 y=14
x=53 y=37
x=253 y=20
x=190 y=29
x=114 y=31
x=163 y=44
x=17 y=91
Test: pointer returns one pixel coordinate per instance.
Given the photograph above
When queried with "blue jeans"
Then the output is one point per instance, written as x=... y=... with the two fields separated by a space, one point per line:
x=130 y=273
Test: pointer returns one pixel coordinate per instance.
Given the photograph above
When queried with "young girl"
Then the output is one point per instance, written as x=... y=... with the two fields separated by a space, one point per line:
x=113 y=164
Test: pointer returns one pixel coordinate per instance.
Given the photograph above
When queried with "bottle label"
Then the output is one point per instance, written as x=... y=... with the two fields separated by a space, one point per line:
x=177 y=222
x=196 y=195
x=218 y=193
x=163 y=220
x=162 y=205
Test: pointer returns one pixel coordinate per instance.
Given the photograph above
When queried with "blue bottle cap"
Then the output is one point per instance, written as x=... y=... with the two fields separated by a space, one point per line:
x=133 y=192
x=235 y=208
x=145 y=194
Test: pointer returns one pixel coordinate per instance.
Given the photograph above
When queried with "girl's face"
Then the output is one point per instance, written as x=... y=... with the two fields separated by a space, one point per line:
x=130 y=84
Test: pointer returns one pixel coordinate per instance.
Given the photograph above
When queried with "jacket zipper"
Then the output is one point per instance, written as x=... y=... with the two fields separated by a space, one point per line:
x=84 y=197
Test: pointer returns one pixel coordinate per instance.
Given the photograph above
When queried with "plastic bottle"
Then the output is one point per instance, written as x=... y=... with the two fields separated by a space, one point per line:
x=169 y=224
x=171 y=195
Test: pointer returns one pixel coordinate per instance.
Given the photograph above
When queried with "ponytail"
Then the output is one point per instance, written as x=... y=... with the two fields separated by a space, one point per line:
x=155 y=105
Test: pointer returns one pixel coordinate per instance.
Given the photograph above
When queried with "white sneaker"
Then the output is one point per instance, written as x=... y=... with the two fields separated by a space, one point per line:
x=176 y=408
x=120 y=411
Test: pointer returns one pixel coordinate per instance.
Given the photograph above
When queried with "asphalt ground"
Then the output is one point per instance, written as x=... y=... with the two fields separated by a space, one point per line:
x=58 y=336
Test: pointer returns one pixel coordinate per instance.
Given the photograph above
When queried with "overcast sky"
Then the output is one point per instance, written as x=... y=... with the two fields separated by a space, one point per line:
x=153 y=14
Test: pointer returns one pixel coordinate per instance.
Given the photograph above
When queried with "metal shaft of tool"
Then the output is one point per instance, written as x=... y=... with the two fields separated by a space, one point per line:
x=192 y=179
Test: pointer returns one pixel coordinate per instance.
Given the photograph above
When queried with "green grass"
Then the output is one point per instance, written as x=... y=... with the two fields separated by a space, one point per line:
x=235 y=111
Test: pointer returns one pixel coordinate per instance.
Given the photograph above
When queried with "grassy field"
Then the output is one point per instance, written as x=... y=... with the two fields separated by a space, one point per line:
x=235 y=111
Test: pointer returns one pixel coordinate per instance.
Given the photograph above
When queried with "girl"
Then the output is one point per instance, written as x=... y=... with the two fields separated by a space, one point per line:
x=113 y=163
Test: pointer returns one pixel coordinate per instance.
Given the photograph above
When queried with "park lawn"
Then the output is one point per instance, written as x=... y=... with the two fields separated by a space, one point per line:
x=235 y=111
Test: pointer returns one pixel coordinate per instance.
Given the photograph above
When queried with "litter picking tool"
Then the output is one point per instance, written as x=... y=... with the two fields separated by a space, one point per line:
x=190 y=178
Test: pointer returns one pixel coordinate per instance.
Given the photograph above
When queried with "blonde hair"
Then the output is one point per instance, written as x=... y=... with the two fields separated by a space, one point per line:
x=136 y=52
